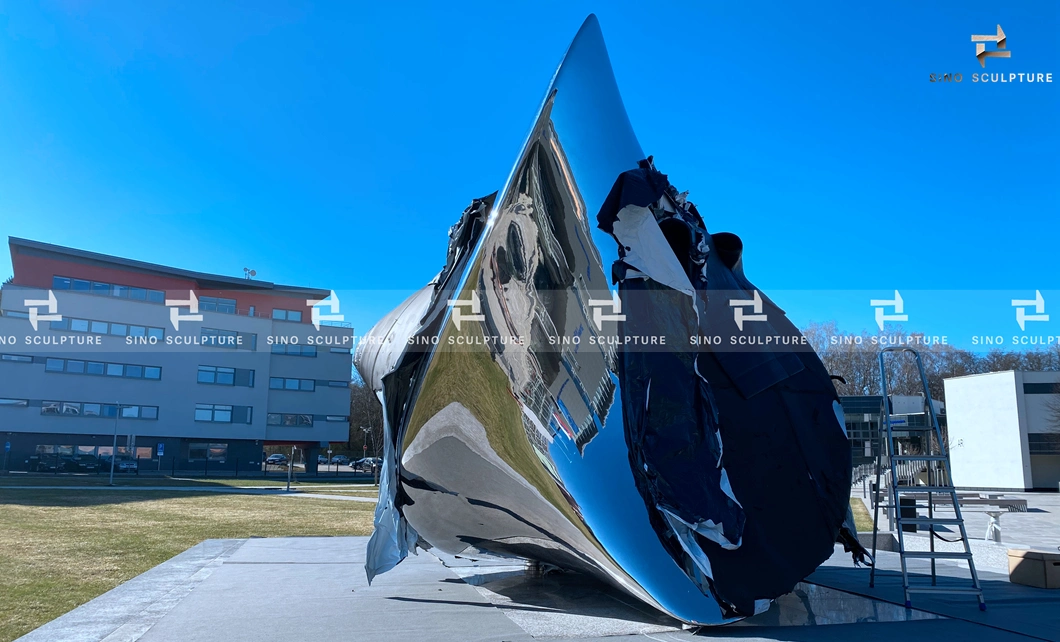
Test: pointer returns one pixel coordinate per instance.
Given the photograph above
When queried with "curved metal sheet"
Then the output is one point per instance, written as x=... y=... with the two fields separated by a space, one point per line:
x=522 y=448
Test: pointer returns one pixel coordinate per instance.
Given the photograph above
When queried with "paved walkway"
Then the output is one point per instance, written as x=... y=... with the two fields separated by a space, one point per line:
x=1039 y=528
x=315 y=588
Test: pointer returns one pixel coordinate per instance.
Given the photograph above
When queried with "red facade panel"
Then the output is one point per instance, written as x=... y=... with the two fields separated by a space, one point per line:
x=37 y=272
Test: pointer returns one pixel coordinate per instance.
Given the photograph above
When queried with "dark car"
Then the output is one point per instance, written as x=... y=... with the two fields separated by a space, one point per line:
x=367 y=464
x=277 y=460
x=79 y=464
x=43 y=464
x=341 y=460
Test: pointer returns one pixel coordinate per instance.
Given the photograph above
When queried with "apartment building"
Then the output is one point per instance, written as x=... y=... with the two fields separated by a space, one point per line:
x=191 y=371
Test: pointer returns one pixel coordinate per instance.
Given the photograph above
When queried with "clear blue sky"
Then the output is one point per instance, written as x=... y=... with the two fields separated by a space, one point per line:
x=333 y=145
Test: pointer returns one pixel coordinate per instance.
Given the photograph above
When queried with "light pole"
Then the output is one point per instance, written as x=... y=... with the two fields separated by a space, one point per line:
x=114 y=446
x=290 y=469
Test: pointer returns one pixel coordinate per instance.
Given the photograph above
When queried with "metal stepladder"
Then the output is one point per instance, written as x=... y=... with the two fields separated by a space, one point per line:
x=935 y=459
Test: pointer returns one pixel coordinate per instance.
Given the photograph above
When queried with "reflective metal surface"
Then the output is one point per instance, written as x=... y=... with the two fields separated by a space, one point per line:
x=521 y=447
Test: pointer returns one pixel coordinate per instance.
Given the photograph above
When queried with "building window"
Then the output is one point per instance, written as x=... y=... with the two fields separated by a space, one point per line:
x=218 y=338
x=205 y=451
x=287 y=315
x=105 y=327
x=303 y=385
x=100 y=288
x=213 y=412
x=1043 y=443
x=215 y=304
x=129 y=371
x=339 y=384
x=92 y=409
x=217 y=375
x=294 y=350
x=278 y=419
x=18 y=358
x=223 y=414
x=16 y=403
x=340 y=351
x=337 y=418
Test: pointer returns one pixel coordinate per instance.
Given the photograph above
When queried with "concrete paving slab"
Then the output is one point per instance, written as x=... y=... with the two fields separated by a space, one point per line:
x=1010 y=607
x=305 y=588
x=126 y=612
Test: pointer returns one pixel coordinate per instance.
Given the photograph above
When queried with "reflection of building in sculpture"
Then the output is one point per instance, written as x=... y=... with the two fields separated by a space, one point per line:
x=561 y=380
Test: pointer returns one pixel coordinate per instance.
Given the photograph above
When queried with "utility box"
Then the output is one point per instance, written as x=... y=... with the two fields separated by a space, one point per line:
x=1040 y=569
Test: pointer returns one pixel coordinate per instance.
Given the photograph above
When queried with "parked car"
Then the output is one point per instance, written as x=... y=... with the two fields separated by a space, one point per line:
x=43 y=464
x=126 y=465
x=277 y=460
x=322 y=460
x=367 y=464
x=341 y=460
x=79 y=464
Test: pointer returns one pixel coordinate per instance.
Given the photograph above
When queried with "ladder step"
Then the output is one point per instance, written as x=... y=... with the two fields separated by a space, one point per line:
x=919 y=457
x=928 y=521
x=925 y=489
x=939 y=555
x=943 y=589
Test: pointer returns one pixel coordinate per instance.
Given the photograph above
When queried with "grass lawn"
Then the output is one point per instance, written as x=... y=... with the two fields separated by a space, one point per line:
x=133 y=480
x=862 y=516
x=61 y=548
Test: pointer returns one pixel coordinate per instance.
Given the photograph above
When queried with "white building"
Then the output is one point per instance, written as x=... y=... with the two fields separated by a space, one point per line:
x=1002 y=433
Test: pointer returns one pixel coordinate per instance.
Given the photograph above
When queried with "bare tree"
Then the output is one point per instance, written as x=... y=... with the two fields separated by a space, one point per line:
x=855 y=357
x=1052 y=406
x=365 y=412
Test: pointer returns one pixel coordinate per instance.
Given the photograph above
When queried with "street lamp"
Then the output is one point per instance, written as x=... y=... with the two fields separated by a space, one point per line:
x=114 y=446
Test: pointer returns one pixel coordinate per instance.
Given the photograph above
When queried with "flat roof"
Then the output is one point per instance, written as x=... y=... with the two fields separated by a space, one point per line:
x=206 y=280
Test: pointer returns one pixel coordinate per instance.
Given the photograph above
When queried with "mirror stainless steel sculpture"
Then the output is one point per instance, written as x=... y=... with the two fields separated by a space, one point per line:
x=529 y=413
